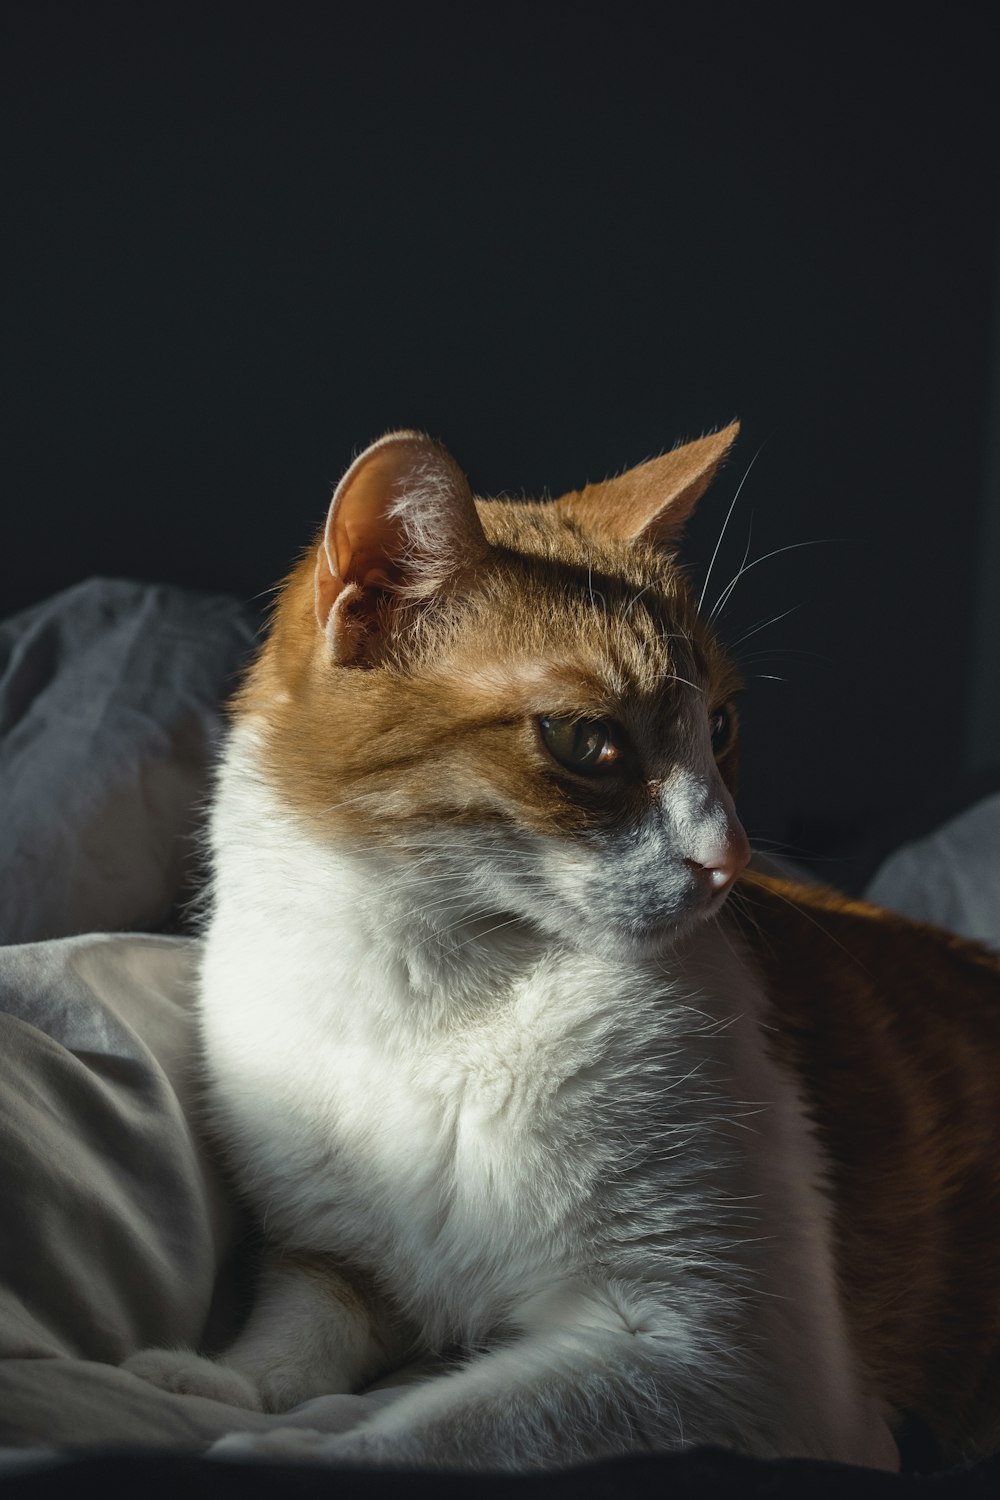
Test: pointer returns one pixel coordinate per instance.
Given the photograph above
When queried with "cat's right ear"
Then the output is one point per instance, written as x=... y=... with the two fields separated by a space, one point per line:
x=652 y=502
x=401 y=523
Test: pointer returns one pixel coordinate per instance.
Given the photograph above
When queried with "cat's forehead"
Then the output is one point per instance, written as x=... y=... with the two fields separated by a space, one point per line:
x=540 y=528
x=559 y=622
x=631 y=602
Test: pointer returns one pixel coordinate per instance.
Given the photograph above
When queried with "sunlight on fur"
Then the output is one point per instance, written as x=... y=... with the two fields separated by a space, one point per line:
x=516 y=1062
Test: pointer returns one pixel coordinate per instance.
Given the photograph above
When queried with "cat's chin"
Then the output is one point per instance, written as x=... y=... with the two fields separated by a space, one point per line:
x=622 y=943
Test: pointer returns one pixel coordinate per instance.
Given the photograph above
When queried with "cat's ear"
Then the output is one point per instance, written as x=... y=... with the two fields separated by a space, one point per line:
x=652 y=502
x=401 y=523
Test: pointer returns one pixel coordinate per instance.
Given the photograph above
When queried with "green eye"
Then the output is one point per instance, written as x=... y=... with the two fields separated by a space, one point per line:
x=581 y=745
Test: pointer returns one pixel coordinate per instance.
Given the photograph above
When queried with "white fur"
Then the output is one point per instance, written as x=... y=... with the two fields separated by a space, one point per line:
x=585 y=1167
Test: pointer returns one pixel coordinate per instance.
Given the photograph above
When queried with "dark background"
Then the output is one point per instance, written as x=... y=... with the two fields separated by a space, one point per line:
x=242 y=240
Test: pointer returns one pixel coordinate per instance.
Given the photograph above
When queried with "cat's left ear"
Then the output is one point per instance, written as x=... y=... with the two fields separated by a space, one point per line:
x=651 y=502
x=401 y=523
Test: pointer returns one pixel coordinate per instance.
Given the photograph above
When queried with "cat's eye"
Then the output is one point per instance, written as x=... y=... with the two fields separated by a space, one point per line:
x=721 y=725
x=581 y=745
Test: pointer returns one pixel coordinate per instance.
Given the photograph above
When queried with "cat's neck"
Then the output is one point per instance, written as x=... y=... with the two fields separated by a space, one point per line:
x=351 y=912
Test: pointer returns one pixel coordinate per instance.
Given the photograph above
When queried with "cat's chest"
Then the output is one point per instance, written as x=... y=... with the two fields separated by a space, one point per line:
x=442 y=1136
x=467 y=1163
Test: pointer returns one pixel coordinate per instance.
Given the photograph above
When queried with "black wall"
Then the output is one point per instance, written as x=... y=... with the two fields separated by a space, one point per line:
x=242 y=240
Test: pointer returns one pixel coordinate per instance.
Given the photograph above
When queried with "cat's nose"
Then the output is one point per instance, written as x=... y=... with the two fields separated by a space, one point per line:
x=717 y=869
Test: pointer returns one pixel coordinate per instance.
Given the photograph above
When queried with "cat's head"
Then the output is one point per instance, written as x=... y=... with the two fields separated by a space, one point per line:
x=511 y=708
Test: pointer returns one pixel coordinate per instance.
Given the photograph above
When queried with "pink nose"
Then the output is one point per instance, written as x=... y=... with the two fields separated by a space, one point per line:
x=721 y=866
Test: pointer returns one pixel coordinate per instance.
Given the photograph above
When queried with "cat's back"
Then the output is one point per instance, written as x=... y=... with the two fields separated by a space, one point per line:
x=894 y=1030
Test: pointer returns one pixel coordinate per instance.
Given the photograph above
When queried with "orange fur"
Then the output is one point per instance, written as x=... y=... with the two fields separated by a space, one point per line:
x=894 y=1028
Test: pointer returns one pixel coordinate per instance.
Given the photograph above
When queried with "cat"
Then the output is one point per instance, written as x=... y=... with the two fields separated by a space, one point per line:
x=521 y=1065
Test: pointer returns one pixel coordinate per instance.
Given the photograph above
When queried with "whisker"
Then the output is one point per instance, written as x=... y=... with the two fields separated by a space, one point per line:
x=732 y=505
x=777 y=551
x=739 y=570
x=635 y=599
x=469 y=916
x=761 y=655
x=676 y=677
x=478 y=936
x=741 y=910
x=763 y=626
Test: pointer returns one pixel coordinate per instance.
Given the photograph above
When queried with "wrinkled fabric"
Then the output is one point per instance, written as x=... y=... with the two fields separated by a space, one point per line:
x=110 y=711
x=116 y=1225
x=112 y=1219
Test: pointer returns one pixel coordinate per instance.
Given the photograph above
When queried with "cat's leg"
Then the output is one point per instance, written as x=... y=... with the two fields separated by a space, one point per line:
x=313 y=1331
x=587 y=1385
x=595 y=1384
x=529 y=1405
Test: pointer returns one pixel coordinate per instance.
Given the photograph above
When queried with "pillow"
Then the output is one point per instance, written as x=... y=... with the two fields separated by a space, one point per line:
x=951 y=878
x=109 y=714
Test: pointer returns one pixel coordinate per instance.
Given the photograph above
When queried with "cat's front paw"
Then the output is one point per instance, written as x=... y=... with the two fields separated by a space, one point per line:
x=188 y=1374
x=280 y=1445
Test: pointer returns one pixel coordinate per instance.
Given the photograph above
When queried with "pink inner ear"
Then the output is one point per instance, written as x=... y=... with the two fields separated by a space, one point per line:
x=367 y=543
x=367 y=548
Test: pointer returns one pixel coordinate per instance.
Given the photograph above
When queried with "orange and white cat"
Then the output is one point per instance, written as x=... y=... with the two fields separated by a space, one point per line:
x=505 y=1075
